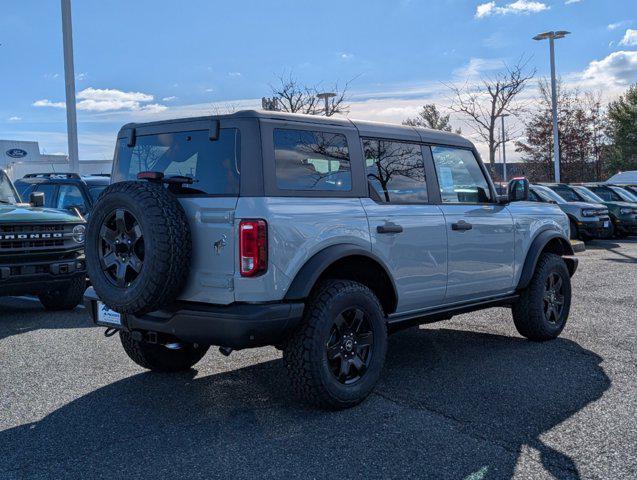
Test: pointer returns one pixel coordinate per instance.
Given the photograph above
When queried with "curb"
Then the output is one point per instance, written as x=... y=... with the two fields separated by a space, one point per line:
x=578 y=246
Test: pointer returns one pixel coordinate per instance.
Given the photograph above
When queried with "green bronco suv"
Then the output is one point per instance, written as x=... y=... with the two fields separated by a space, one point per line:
x=41 y=250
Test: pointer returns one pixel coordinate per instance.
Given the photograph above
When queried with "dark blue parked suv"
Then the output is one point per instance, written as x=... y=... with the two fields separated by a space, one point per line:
x=64 y=190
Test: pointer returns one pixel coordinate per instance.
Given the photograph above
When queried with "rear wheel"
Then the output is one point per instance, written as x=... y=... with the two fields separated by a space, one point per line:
x=543 y=307
x=65 y=297
x=336 y=357
x=176 y=357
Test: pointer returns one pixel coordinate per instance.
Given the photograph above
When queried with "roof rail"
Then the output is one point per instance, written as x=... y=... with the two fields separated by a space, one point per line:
x=99 y=174
x=53 y=174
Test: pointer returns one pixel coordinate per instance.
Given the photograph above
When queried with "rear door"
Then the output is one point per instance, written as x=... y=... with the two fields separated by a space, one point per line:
x=185 y=149
x=479 y=231
x=407 y=231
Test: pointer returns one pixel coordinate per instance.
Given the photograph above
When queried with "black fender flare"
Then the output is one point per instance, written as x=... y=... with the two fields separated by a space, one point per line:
x=535 y=250
x=313 y=268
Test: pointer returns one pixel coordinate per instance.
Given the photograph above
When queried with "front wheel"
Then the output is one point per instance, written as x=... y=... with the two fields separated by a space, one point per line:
x=336 y=357
x=67 y=296
x=177 y=357
x=542 y=309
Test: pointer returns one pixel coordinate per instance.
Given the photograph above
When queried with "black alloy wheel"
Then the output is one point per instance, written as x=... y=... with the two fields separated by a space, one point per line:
x=121 y=247
x=553 y=298
x=350 y=346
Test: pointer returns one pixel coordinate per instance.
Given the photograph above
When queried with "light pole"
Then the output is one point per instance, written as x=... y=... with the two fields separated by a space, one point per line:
x=552 y=36
x=504 y=153
x=326 y=96
x=69 y=81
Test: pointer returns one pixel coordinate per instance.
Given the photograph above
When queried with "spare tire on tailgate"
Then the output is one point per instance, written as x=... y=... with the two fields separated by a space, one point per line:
x=138 y=247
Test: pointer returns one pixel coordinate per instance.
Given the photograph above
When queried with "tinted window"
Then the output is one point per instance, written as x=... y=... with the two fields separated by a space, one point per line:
x=94 y=192
x=566 y=193
x=49 y=194
x=70 y=196
x=534 y=197
x=395 y=170
x=606 y=194
x=214 y=165
x=24 y=189
x=307 y=160
x=460 y=177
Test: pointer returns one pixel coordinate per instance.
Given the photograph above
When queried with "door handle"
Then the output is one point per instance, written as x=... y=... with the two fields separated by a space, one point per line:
x=461 y=226
x=391 y=228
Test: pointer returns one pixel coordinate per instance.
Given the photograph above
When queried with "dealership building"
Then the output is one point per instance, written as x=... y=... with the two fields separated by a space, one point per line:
x=19 y=157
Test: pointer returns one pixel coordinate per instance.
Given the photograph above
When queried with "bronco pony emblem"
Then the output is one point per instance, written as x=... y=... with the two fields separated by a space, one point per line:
x=219 y=244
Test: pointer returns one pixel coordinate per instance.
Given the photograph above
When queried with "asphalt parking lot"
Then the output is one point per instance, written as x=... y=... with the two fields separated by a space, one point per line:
x=465 y=399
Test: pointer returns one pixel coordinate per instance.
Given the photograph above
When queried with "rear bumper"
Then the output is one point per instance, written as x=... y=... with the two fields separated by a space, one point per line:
x=38 y=277
x=236 y=326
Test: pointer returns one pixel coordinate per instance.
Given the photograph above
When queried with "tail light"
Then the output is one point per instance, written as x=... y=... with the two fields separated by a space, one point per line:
x=253 y=247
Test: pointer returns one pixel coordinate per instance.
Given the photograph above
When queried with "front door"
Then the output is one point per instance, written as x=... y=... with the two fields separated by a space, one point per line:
x=407 y=232
x=480 y=234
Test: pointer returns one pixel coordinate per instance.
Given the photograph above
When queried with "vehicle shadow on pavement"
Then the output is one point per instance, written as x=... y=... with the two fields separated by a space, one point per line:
x=19 y=316
x=452 y=404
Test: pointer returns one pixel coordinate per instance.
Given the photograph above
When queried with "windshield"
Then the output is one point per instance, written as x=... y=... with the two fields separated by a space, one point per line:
x=213 y=165
x=606 y=193
x=7 y=192
x=547 y=194
x=625 y=194
x=588 y=195
x=567 y=193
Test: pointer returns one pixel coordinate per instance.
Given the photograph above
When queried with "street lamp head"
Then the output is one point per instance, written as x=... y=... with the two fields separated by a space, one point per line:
x=551 y=34
x=325 y=95
x=543 y=36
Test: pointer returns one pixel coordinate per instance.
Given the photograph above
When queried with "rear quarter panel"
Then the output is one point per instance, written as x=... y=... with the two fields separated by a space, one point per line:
x=298 y=228
x=529 y=219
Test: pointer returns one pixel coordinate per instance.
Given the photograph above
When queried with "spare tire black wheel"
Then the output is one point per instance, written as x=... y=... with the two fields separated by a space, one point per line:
x=138 y=247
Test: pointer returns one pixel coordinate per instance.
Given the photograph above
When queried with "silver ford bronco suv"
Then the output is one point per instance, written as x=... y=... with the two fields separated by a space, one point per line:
x=317 y=235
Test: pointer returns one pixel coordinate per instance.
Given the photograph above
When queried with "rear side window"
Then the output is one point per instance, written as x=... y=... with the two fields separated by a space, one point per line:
x=213 y=165
x=309 y=160
x=395 y=170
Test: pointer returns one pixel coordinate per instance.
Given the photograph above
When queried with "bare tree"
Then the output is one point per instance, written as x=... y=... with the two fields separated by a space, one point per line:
x=289 y=95
x=430 y=117
x=483 y=103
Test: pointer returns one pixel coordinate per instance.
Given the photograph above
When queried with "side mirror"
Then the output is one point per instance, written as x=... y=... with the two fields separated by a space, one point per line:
x=36 y=199
x=518 y=190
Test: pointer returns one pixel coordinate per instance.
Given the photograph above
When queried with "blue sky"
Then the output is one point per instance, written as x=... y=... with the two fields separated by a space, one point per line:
x=155 y=59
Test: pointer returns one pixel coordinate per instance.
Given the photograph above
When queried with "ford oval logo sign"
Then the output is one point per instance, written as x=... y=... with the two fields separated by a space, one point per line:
x=16 y=153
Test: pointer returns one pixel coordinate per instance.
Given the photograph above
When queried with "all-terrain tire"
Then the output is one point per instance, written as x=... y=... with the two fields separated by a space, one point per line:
x=305 y=353
x=167 y=247
x=67 y=296
x=159 y=358
x=528 y=311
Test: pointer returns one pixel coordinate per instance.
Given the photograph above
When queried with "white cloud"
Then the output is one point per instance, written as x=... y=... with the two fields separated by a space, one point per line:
x=234 y=74
x=81 y=76
x=103 y=100
x=169 y=99
x=346 y=56
x=14 y=119
x=630 y=38
x=519 y=7
x=616 y=25
x=45 y=102
x=477 y=66
x=569 y=2
x=51 y=76
x=208 y=90
x=616 y=70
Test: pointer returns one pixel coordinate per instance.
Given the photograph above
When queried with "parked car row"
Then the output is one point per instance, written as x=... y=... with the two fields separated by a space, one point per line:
x=595 y=210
